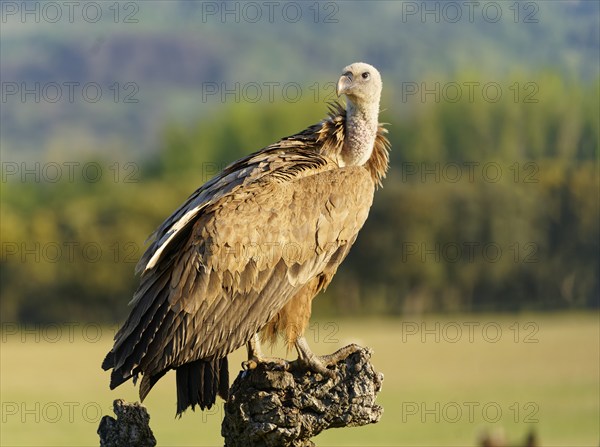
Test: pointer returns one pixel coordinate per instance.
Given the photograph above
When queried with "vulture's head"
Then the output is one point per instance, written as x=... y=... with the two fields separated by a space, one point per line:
x=361 y=83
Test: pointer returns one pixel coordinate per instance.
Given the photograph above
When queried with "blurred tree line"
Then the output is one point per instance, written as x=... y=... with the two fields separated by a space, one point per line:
x=490 y=204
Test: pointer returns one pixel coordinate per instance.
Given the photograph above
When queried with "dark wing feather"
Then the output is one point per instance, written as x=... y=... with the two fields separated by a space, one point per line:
x=262 y=240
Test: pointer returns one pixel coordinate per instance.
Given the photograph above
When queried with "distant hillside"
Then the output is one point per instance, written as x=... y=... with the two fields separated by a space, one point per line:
x=92 y=79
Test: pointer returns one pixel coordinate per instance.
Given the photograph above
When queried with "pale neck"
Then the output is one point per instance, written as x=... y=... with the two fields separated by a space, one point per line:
x=361 y=130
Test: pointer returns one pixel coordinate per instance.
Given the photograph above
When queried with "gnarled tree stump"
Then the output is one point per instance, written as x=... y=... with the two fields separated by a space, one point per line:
x=280 y=408
x=130 y=429
x=268 y=407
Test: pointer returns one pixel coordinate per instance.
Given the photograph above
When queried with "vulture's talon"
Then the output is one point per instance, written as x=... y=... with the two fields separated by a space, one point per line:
x=308 y=360
x=249 y=364
x=271 y=363
x=314 y=364
x=340 y=354
x=255 y=357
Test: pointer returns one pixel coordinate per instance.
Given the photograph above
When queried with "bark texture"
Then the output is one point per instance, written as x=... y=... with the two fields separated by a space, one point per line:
x=130 y=429
x=267 y=407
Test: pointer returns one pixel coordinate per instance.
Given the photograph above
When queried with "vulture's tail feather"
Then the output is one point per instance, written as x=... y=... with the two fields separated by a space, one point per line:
x=148 y=382
x=109 y=361
x=200 y=382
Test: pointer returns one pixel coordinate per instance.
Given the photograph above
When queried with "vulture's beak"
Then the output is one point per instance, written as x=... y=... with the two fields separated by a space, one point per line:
x=344 y=83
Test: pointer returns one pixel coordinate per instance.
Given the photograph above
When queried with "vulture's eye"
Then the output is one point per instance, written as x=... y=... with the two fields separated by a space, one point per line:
x=365 y=75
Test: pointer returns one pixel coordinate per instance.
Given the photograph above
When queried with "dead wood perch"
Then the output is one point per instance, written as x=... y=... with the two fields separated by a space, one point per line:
x=268 y=407
x=280 y=408
x=130 y=429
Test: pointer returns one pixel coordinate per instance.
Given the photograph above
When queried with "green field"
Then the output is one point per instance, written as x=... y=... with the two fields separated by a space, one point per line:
x=447 y=380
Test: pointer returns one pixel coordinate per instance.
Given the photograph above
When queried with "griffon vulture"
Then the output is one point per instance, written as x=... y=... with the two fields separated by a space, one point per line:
x=248 y=251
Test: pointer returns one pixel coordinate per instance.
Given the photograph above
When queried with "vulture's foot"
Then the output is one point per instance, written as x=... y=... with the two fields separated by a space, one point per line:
x=340 y=354
x=309 y=360
x=255 y=356
x=274 y=363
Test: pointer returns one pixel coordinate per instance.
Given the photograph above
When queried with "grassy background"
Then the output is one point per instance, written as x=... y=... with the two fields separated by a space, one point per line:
x=53 y=391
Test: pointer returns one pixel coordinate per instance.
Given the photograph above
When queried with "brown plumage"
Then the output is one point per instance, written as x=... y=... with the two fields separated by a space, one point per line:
x=250 y=249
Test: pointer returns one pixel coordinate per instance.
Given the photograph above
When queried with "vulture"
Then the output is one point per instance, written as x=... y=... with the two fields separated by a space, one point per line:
x=241 y=260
